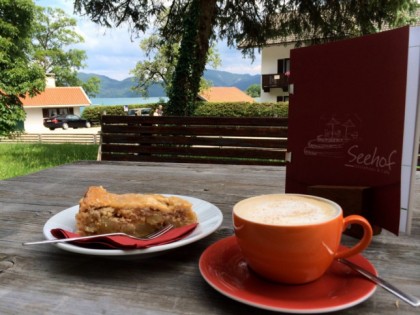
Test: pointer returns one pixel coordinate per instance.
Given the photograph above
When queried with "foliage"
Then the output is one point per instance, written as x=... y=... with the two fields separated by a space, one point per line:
x=19 y=77
x=94 y=113
x=11 y=113
x=248 y=23
x=21 y=159
x=195 y=43
x=158 y=68
x=254 y=90
x=91 y=86
x=160 y=64
x=242 y=109
x=231 y=109
x=52 y=34
x=312 y=22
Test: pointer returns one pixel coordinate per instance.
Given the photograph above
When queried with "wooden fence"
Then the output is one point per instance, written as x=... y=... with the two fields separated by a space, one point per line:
x=180 y=139
x=227 y=140
x=71 y=138
x=53 y=138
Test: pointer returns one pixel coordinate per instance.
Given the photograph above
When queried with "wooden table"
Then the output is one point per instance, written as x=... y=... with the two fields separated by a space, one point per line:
x=47 y=280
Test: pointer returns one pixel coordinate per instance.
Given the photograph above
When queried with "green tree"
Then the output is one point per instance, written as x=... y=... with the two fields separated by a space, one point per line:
x=254 y=90
x=198 y=29
x=19 y=77
x=91 y=86
x=53 y=34
x=160 y=64
x=251 y=23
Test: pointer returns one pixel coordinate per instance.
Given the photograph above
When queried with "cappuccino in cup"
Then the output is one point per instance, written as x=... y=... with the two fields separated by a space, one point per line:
x=293 y=238
x=288 y=210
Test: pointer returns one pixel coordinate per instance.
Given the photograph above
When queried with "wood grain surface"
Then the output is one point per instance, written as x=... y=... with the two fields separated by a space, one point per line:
x=221 y=140
x=47 y=280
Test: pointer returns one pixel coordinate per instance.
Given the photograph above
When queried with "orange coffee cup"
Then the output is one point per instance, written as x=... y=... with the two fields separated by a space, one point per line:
x=293 y=238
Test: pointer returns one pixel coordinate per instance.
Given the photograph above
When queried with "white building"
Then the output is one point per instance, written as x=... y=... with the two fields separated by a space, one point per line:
x=275 y=68
x=53 y=101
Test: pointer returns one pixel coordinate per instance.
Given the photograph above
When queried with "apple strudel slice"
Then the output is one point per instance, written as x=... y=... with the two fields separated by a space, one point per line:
x=134 y=214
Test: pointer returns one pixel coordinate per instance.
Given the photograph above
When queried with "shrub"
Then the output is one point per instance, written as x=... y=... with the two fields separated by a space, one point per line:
x=242 y=109
x=93 y=113
x=231 y=109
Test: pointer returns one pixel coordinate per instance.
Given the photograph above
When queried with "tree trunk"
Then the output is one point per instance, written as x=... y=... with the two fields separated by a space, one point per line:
x=198 y=29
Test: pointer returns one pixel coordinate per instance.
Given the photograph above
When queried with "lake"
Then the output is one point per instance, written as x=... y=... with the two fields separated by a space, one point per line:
x=126 y=100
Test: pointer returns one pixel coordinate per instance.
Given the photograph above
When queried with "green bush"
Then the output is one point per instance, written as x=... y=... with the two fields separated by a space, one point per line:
x=93 y=113
x=237 y=109
x=242 y=109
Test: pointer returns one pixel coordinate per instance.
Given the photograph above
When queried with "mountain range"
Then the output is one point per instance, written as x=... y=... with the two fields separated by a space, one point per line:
x=116 y=88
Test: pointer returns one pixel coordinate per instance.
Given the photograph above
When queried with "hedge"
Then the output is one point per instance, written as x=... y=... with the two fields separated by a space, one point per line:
x=236 y=109
x=93 y=113
x=242 y=109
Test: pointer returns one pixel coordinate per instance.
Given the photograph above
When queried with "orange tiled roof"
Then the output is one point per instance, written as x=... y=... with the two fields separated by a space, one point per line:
x=224 y=94
x=58 y=96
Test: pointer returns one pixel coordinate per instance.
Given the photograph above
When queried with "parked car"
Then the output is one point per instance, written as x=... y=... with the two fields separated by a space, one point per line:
x=140 y=111
x=66 y=122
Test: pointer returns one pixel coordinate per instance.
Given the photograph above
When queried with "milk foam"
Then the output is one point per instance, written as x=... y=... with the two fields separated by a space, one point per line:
x=287 y=210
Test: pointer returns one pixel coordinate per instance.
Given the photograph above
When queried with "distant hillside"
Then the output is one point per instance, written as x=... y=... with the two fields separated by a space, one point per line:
x=223 y=78
x=116 y=88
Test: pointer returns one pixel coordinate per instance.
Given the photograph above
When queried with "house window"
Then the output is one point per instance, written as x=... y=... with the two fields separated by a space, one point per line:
x=48 y=112
x=283 y=65
x=62 y=111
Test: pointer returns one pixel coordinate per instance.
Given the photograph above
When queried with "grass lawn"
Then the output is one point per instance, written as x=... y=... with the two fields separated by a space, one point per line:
x=21 y=159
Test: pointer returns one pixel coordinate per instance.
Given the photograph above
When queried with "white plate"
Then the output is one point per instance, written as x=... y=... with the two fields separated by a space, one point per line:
x=209 y=218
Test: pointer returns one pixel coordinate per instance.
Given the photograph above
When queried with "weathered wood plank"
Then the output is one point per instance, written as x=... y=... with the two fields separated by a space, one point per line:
x=53 y=138
x=48 y=280
x=195 y=139
x=195 y=130
x=187 y=140
x=251 y=121
x=203 y=151
x=188 y=159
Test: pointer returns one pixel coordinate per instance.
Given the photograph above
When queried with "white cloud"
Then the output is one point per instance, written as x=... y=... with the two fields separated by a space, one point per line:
x=233 y=60
x=113 y=52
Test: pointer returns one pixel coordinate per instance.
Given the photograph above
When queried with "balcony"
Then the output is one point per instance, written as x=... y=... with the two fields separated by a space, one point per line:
x=278 y=80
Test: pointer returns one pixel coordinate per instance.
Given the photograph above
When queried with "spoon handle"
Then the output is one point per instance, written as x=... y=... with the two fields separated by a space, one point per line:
x=384 y=284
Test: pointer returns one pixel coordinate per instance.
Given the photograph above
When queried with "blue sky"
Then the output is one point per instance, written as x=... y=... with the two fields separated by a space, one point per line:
x=113 y=53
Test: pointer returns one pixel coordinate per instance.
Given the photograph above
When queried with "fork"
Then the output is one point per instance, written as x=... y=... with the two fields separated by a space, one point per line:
x=150 y=236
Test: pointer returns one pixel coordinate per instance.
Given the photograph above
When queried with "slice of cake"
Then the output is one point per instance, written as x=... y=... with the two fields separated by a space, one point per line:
x=135 y=214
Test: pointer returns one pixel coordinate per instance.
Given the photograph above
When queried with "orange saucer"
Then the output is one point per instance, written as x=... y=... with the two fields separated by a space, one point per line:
x=224 y=268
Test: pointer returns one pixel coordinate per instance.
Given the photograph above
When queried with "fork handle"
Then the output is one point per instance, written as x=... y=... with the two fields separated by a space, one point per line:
x=71 y=239
x=150 y=236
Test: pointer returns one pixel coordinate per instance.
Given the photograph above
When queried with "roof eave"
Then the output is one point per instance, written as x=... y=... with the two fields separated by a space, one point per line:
x=55 y=105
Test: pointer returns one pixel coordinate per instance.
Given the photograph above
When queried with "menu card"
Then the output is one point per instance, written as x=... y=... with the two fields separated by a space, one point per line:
x=353 y=120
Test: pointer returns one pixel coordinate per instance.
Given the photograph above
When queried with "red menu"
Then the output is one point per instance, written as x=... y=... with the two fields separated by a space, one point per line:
x=347 y=113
